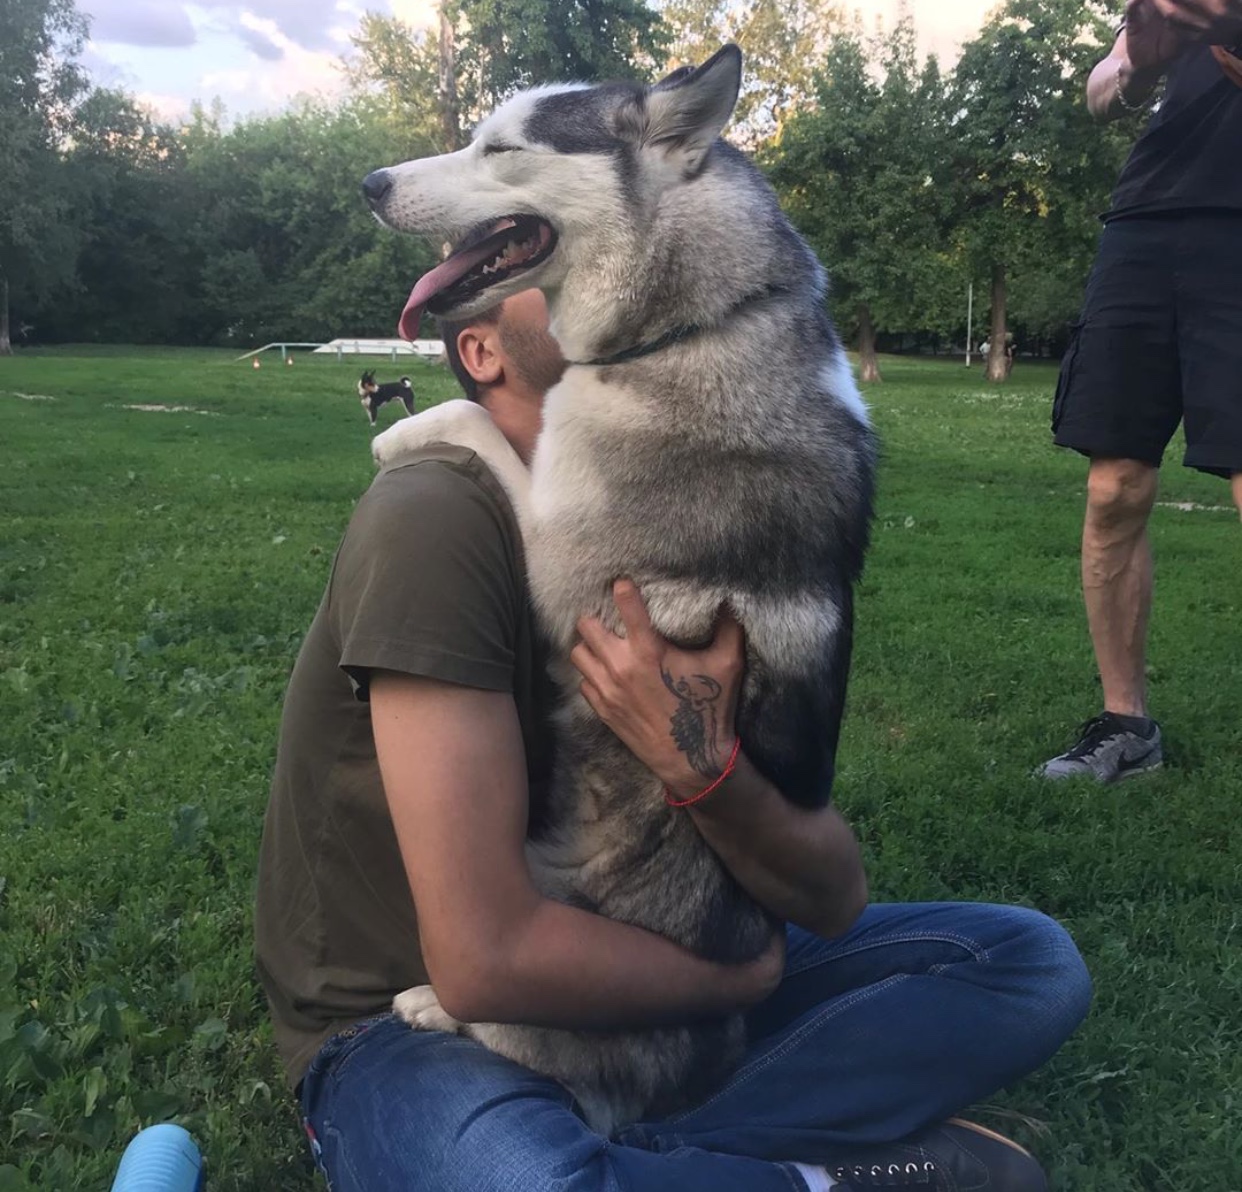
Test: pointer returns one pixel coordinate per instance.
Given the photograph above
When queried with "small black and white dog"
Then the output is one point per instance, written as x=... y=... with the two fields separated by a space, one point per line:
x=373 y=395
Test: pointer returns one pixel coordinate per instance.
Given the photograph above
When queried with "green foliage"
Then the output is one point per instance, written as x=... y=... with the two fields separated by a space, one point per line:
x=243 y=236
x=157 y=573
x=1032 y=168
x=127 y=176
x=503 y=45
x=39 y=81
x=912 y=182
x=402 y=65
x=862 y=174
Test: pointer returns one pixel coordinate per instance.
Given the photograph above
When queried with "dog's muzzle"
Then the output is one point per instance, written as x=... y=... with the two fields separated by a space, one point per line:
x=375 y=187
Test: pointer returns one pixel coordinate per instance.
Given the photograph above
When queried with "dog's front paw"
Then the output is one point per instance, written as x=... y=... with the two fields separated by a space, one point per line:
x=422 y=1010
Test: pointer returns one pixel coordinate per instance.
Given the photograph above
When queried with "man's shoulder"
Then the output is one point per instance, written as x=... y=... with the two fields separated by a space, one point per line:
x=438 y=481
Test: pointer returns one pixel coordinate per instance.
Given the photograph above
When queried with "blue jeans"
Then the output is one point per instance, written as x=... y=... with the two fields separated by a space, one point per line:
x=917 y=1012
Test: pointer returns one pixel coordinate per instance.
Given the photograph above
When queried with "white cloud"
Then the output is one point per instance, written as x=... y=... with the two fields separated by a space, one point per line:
x=140 y=23
x=305 y=22
x=419 y=14
x=942 y=25
x=262 y=36
x=169 y=109
x=273 y=84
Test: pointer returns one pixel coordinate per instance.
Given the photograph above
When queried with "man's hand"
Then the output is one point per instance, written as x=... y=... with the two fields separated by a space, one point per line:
x=1218 y=22
x=674 y=709
x=1152 y=41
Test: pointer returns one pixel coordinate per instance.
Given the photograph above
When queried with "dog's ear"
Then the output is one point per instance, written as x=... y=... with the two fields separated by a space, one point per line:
x=688 y=110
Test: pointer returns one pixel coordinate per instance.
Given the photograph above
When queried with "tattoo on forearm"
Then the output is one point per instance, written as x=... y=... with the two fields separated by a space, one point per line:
x=693 y=726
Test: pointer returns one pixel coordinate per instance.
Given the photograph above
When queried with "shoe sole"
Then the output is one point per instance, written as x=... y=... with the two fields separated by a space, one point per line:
x=1137 y=772
x=1121 y=776
x=992 y=1134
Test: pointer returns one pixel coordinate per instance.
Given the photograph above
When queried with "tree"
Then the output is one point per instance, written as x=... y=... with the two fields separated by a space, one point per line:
x=484 y=50
x=504 y=45
x=415 y=74
x=39 y=81
x=286 y=247
x=861 y=173
x=134 y=268
x=784 y=43
x=1030 y=163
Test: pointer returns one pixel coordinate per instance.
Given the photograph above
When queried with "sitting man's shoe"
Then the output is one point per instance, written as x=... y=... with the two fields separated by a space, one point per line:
x=956 y=1156
x=1109 y=748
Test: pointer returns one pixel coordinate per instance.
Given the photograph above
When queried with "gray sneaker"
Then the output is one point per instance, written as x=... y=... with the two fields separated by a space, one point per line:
x=1107 y=751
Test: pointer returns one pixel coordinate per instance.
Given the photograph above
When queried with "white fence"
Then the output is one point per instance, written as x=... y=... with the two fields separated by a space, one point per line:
x=428 y=349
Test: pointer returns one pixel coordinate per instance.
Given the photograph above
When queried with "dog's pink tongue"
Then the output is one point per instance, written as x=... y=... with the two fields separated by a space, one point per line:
x=440 y=278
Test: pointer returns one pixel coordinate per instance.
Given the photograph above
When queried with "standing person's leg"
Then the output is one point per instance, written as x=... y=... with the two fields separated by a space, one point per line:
x=1210 y=330
x=1119 y=400
x=1117 y=577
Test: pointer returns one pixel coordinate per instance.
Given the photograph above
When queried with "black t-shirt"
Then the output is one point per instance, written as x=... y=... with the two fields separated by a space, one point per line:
x=1189 y=158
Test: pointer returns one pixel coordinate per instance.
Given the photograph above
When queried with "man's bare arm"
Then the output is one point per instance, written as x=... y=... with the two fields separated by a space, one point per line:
x=802 y=865
x=1156 y=32
x=497 y=951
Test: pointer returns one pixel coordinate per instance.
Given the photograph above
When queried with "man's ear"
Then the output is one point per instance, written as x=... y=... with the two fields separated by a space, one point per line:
x=685 y=112
x=477 y=349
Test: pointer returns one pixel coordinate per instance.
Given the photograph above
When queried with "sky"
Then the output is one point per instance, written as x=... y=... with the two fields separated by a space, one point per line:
x=258 y=55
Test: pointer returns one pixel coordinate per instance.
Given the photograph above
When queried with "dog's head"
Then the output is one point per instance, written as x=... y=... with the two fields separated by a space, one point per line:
x=366 y=384
x=554 y=176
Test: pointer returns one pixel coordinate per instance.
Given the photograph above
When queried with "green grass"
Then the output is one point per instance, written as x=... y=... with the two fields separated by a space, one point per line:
x=157 y=571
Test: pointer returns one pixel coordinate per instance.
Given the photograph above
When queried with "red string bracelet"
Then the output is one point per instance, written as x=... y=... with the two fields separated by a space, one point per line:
x=737 y=744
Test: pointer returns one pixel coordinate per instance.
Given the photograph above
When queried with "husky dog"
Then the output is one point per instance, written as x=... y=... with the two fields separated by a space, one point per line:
x=708 y=442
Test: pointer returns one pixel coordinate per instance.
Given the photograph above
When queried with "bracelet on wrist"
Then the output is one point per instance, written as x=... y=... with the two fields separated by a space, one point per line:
x=1125 y=104
x=707 y=790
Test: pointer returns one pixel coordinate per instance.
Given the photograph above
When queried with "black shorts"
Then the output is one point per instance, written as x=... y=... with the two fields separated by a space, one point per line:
x=1159 y=341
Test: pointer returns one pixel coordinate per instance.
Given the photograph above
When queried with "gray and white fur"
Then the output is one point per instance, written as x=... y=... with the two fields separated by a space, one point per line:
x=732 y=466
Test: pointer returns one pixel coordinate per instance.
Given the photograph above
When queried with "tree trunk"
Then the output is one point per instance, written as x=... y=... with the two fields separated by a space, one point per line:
x=868 y=364
x=6 y=347
x=998 y=354
x=450 y=116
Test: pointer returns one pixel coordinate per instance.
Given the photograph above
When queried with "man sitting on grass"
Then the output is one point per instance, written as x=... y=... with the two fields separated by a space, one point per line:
x=414 y=754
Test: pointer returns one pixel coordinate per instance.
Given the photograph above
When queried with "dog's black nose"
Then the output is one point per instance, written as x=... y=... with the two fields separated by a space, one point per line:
x=376 y=185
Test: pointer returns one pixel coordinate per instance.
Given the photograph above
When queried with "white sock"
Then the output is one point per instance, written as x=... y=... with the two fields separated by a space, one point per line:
x=815 y=1178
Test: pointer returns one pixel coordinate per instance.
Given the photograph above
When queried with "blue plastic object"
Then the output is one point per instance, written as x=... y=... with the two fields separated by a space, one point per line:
x=160 y=1158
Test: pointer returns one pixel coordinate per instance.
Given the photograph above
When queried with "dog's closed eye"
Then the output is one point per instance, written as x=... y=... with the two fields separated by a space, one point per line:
x=499 y=147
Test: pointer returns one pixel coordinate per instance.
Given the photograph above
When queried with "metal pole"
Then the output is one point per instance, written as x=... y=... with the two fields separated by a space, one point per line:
x=970 y=319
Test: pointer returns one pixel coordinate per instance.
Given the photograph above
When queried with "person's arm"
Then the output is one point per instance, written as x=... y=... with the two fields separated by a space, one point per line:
x=453 y=768
x=802 y=865
x=1155 y=33
x=1143 y=52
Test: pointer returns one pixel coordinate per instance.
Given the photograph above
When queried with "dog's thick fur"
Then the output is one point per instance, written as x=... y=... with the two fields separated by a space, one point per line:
x=373 y=394
x=731 y=466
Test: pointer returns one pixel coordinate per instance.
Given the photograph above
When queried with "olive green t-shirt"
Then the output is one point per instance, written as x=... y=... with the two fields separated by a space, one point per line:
x=429 y=580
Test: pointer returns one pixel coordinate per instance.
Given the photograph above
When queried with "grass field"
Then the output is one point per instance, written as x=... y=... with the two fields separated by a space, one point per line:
x=157 y=570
